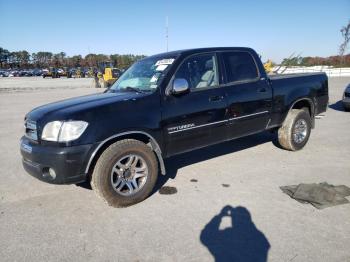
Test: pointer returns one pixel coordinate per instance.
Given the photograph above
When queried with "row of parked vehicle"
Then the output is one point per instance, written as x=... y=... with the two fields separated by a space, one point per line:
x=69 y=72
x=20 y=72
x=49 y=72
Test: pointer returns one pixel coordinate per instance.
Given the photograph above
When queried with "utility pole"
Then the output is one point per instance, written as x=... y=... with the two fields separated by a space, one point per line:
x=167 y=33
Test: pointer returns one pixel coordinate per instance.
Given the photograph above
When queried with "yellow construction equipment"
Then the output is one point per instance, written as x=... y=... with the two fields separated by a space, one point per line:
x=51 y=72
x=90 y=72
x=78 y=73
x=268 y=66
x=108 y=77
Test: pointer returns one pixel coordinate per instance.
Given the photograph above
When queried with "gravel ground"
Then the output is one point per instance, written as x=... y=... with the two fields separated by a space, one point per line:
x=21 y=84
x=42 y=222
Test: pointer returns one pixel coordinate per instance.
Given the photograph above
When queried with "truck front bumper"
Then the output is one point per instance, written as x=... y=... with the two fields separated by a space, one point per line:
x=55 y=165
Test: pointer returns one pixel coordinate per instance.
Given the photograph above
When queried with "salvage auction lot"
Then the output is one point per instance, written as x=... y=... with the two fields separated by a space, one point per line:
x=41 y=222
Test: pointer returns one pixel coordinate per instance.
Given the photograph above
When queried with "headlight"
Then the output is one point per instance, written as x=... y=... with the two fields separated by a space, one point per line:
x=51 y=131
x=63 y=131
x=72 y=130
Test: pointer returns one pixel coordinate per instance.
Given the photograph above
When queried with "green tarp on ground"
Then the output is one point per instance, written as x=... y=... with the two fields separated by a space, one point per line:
x=320 y=195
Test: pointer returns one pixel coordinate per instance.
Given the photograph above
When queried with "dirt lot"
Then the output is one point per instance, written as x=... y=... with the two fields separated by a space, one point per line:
x=21 y=84
x=42 y=222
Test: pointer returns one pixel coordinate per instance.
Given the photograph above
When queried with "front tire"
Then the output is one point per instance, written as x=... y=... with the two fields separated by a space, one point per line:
x=125 y=173
x=295 y=131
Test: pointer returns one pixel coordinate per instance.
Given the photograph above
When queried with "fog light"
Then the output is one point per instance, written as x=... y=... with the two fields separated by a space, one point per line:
x=52 y=173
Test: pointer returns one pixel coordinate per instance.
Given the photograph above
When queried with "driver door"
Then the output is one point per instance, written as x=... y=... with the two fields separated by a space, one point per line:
x=196 y=118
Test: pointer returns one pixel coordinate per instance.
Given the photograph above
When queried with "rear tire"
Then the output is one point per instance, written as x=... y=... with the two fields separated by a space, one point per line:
x=295 y=131
x=113 y=166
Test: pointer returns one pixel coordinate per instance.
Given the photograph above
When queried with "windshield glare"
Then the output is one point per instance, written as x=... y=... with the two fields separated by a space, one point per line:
x=144 y=75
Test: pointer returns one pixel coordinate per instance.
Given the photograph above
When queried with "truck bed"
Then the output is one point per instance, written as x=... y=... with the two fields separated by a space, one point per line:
x=283 y=76
x=289 y=88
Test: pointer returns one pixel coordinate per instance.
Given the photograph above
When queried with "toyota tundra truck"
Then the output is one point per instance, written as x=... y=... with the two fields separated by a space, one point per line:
x=165 y=105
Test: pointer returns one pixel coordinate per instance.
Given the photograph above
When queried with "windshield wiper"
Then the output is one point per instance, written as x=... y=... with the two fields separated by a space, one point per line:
x=135 y=89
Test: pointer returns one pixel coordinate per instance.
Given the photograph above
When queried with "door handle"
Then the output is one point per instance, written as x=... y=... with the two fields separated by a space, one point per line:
x=215 y=98
x=262 y=90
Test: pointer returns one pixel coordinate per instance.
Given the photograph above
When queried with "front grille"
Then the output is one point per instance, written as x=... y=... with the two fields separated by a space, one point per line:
x=347 y=94
x=31 y=131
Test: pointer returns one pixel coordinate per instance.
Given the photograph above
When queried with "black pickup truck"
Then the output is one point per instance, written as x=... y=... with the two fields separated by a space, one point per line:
x=165 y=105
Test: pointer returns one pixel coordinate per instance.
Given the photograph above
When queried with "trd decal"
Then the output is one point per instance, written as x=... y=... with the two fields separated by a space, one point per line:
x=179 y=128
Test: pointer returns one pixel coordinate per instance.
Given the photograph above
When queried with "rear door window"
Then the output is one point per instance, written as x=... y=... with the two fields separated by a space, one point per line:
x=240 y=66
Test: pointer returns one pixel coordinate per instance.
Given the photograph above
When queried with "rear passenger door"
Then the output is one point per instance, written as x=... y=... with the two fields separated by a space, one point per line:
x=249 y=96
x=197 y=118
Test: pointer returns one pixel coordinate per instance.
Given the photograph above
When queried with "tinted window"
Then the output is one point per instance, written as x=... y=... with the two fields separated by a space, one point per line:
x=200 y=71
x=239 y=66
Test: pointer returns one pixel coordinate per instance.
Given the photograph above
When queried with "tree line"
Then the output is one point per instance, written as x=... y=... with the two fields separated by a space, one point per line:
x=335 y=61
x=25 y=60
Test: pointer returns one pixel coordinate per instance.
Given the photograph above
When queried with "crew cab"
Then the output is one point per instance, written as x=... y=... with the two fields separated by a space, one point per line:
x=165 y=105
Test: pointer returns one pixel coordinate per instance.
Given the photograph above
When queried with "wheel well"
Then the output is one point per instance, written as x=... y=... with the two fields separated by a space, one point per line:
x=137 y=136
x=303 y=104
x=306 y=103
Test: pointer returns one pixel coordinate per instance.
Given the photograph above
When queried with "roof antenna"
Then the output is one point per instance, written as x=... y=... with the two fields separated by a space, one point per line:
x=167 y=33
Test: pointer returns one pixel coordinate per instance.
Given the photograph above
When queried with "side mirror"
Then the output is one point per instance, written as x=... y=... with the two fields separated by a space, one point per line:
x=180 y=86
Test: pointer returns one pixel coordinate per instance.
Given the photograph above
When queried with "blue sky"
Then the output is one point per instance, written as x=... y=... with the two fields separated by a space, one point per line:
x=274 y=28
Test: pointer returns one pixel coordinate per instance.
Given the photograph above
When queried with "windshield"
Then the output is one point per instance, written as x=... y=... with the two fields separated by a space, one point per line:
x=143 y=76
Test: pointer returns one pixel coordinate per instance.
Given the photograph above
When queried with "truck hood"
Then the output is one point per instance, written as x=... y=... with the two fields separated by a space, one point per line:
x=65 y=109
